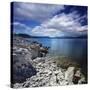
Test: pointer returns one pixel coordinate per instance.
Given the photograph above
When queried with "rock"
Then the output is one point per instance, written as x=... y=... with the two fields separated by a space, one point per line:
x=22 y=67
x=77 y=76
x=82 y=80
x=57 y=72
x=69 y=74
x=52 y=80
x=17 y=85
x=77 y=73
x=41 y=71
x=60 y=75
x=38 y=50
x=64 y=82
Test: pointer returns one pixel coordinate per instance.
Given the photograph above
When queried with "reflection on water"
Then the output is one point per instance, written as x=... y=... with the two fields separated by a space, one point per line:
x=75 y=48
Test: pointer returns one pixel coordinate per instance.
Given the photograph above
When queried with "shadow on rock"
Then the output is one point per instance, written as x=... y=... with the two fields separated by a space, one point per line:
x=22 y=69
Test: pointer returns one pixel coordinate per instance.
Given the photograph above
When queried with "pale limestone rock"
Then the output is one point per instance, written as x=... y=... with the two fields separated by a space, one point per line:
x=77 y=73
x=53 y=80
x=69 y=74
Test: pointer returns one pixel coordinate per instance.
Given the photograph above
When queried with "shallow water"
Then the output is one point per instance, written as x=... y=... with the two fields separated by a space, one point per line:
x=75 y=48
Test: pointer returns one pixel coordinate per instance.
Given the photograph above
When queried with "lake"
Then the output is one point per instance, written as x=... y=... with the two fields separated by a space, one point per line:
x=75 y=48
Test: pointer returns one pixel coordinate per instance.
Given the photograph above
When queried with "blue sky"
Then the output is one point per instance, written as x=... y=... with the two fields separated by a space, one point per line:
x=49 y=19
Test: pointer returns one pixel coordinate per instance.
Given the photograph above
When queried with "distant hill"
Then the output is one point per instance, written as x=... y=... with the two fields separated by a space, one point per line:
x=82 y=36
x=23 y=35
x=29 y=36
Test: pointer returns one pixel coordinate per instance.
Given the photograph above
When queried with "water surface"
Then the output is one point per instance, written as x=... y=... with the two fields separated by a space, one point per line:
x=75 y=48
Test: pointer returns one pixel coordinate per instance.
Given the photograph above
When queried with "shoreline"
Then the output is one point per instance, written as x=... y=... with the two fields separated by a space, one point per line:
x=42 y=70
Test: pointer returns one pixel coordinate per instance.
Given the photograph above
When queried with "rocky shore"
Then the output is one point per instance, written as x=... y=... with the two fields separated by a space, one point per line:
x=32 y=67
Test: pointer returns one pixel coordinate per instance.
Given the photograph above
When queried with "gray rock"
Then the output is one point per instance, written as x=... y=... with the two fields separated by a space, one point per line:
x=52 y=80
x=82 y=80
x=41 y=71
x=69 y=74
x=77 y=73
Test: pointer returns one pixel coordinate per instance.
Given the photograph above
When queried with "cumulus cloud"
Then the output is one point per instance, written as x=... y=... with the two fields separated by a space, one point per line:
x=61 y=25
x=38 y=12
x=42 y=31
x=53 y=20
x=20 y=28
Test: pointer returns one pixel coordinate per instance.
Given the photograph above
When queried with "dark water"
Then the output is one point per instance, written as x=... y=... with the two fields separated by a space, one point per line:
x=75 y=48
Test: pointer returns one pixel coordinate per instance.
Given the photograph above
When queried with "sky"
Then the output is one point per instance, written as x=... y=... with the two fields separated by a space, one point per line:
x=49 y=19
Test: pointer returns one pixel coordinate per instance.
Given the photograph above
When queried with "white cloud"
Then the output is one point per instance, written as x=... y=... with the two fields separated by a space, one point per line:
x=40 y=12
x=20 y=25
x=64 y=22
x=42 y=31
x=58 y=25
x=82 y=28
x=21 y=28
x=61 y=25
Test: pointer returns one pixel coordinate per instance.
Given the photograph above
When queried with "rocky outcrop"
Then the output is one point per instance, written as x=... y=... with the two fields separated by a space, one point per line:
x=42 y=70
x=23 y=54
x=48 y=74
x=38 y=50
x=22 y=65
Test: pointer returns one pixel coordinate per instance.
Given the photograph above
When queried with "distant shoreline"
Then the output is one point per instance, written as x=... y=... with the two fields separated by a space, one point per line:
x=67 y=37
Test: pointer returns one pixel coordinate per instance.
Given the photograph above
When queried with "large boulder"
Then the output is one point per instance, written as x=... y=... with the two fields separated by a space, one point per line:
x=22 y=65
x=69 y=74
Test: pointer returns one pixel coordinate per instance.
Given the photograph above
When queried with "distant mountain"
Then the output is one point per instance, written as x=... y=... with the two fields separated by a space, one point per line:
x=82 y=36
x=29 y=36
x=23 y=35
x=63 y=37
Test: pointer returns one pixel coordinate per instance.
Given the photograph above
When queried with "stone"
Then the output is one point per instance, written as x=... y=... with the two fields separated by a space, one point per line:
x=53 y=80
x=69 y=74
x=41 y=71
x=64 y=82
x=77 y=76
x=82 y=80
x=77 y=73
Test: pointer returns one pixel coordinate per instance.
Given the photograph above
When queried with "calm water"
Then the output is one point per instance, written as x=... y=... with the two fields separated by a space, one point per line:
x=75 y=48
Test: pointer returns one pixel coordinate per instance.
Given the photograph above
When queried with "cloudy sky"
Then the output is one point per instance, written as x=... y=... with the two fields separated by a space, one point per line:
x=49 y=20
